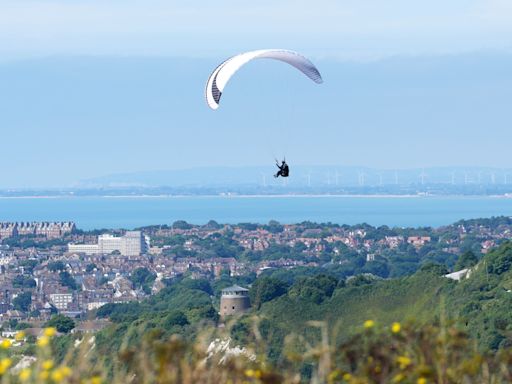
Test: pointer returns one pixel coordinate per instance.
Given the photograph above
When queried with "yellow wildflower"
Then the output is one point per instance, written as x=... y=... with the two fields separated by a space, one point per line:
x=403 y=361
x=43 y=341
x=369 y=324
x=20 y=336
x=6 y=343
x=5 y=363
x=347 y=377
x=44 y=375
x=47 y=365
x=332 y=376
x=421 y=380
x=249 y=372
x=25 y=374
x=398 y=378
x=256 y=373
x=57 y=376
x=66 y=371
x=50 y=331
x=396 y=327
x=96 y=380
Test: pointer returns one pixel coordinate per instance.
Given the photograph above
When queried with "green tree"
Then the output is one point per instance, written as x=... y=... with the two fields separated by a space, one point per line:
x=274 y=227
x=143 y=278
x=67 y=280
x=466 y=260
x=22 y=302
x=377 y=267
x=175 y=318
x=62 y=323
x=434 y=268
x=174 y=240
x=181 y=224
x=363 y=279
x=299 y=247
x=314 y=289
x=21 y=281
x=28 y=265
x=200 y=284
x=55 y=266
x=22 y=325
x=212 y=224
x=265 y=289
x=500 y=261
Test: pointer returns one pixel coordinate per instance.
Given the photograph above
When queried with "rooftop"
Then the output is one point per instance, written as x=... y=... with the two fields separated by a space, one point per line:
x=235 y=288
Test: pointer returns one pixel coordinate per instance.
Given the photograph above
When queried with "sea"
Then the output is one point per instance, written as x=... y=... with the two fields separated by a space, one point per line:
x=132 y=212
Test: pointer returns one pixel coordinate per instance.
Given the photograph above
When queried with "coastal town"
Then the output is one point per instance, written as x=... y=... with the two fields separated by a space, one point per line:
x=49 y=268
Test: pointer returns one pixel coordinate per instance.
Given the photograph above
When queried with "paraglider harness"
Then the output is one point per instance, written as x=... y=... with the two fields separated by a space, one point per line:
x=284 y=170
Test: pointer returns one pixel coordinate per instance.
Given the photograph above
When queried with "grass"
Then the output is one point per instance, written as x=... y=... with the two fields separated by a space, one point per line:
x=376 y=353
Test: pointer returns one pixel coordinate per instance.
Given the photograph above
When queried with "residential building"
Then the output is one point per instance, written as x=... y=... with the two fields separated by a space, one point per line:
x=132 y=243
x=61 y=300
x=45 y=228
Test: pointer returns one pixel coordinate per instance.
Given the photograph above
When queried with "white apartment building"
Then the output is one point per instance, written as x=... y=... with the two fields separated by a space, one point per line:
x=88 y=249
x=133 y=243
x=61 y=300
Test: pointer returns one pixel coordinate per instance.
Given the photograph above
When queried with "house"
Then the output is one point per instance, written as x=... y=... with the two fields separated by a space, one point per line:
x=418 y=241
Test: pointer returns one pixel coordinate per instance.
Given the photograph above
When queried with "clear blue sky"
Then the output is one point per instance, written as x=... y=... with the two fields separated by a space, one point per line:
x=94 y=87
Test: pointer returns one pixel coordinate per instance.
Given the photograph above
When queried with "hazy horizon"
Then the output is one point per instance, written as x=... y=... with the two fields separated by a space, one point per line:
x=305 y=179
x=406 y=85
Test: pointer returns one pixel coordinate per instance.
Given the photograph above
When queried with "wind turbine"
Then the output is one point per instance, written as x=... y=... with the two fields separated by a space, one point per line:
x=361 y=178
x=336 y=177
x=453 y=178
x=264 y=179
x=422 y=176
x=308 y=177
x=396 y=177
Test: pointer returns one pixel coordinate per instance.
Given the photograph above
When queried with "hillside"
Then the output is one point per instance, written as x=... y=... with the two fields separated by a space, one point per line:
x=479 y=305
x=304 y=325
x=286 y=301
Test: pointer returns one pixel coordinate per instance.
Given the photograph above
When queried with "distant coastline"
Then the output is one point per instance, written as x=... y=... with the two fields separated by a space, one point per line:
x=262 y=196
x=258 y=196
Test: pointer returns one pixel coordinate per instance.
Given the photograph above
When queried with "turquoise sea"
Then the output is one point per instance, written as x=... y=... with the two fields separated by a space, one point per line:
x=131 y=212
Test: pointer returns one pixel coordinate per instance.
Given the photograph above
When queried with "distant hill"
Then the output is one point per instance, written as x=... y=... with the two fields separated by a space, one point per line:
x=327 y=176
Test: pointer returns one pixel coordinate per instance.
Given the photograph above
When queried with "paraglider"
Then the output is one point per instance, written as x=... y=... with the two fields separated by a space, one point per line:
x=225 y=71
x=284 y=170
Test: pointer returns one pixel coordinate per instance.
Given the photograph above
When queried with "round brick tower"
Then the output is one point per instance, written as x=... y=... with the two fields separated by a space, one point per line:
x=234 y=300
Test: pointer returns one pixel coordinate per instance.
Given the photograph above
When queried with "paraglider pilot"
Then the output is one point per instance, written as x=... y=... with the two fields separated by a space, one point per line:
x=284 y=171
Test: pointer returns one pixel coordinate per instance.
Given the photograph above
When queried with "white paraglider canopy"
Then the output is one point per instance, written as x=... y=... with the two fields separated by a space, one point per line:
x=221 y=75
